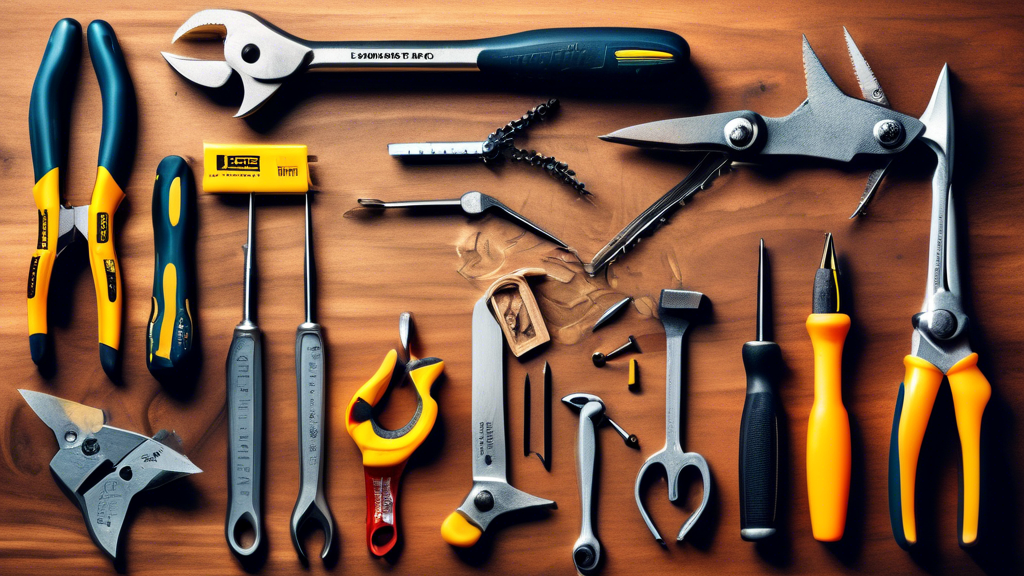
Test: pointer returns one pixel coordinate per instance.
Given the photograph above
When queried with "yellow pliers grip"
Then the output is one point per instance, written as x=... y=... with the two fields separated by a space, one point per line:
x=106 y=273
x=47 y=196
x=971 y=392
x=381 y=447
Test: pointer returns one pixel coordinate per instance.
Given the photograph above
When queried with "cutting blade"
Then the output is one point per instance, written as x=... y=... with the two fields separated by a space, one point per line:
x=60 y=414
x=488 y=395
x=869 y=86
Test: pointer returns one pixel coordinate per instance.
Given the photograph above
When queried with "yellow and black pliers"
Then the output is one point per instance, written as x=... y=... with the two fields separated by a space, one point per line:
x=61 y=224
x=385 y=452
x=940 y=348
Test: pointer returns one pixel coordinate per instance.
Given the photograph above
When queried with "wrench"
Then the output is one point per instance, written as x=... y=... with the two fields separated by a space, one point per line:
x=586 y=553
x=264 y=56
x=309 y=375
x=674 y=310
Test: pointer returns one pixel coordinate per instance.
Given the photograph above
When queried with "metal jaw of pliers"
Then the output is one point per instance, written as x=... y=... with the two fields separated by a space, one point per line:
x=940 y=348
x=828 y=125
x=61 y=224
x=87 y=446
x=385 y=452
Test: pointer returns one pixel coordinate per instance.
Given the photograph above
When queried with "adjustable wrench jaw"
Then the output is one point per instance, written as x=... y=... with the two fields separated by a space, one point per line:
x=261 y=54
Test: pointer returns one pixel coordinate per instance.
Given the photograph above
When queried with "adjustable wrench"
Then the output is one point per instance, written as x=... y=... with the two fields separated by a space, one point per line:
x=264 y=56
x=310 y=360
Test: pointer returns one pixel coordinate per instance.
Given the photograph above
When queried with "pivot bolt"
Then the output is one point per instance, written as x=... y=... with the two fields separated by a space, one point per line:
x=740 y=133
x=250 y=53
x=889 y=133
x=90 y=446
x=484 y=501
x=600 y=359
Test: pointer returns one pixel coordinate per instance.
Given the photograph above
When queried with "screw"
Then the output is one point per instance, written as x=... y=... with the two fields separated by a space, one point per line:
x=484 y=501
x=600 y=359
x=889 y=133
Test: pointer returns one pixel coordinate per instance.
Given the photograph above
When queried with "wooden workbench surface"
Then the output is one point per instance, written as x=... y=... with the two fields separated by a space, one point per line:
x=747 y=56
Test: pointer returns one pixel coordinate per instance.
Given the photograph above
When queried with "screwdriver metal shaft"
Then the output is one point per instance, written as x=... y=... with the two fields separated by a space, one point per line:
x=245 y=417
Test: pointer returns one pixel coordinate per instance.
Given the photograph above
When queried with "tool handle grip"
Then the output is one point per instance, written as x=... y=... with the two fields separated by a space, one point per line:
x=170 y=334
x=971 y=393
x=245 y=436
x=586 y=552
x=310 y=357
x=558 y=53
x=759 y=441
x=828 y=430
x=120 y=116
x=50 y=107
x=381 y=507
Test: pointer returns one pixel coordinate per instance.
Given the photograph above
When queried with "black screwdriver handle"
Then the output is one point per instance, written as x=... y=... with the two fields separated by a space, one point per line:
x=759 y=441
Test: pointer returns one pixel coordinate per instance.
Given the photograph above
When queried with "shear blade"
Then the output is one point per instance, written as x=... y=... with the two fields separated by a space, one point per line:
x=209 y=73
x=212 y=23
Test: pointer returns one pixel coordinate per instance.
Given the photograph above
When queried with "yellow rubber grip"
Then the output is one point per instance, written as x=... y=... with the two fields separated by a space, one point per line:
x=47 y=196
x=458 y=531
x=971 y=392
x=921 y=385
x=106 y=275
x=828 y=430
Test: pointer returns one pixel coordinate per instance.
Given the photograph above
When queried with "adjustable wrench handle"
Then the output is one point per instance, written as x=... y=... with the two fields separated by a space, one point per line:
x=245 y=436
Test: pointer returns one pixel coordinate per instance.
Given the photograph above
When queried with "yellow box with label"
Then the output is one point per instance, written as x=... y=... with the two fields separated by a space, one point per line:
x=259 y=168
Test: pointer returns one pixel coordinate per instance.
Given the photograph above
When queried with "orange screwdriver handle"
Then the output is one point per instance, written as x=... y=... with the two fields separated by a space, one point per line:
x=828 y=430
x=971 y=392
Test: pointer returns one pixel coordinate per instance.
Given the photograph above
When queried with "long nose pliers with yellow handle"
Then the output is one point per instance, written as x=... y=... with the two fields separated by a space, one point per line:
x=940 y=348
x=385 y=452
x=61 y=224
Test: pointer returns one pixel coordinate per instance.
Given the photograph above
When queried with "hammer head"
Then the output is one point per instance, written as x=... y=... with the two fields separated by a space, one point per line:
x=678 y=307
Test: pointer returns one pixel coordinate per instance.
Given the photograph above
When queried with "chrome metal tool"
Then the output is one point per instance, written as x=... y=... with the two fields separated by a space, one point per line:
x=264 y=56
x=471 y=203
x=310 y=370
x=586 y=553
x=491 y=494
x=104 y=467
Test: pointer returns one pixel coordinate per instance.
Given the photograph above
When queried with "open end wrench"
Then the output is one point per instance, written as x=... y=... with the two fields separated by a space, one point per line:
x=674 y=310
x=310 y=356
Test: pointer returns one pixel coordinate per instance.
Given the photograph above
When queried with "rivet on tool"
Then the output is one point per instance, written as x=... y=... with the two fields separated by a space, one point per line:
x=889 y=133
x=484 y=501
x=125 y=473
x=740 y=133
x=250 y=53
x=600 y=359
x=70 y=436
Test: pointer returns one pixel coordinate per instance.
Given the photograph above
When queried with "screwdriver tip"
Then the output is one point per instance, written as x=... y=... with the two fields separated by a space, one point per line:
x=828 y=254
x=760 y=327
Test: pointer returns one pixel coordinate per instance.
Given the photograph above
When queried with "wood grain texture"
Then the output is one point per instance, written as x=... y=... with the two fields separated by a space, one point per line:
x=747 y=54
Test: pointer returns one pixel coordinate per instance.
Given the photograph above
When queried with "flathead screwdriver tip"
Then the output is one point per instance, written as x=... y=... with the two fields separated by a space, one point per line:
x=828 y=254
x=760 y=336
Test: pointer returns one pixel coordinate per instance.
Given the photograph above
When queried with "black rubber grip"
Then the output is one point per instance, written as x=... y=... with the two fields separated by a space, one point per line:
x=591 y=52
x=120 y=113
x=50 y=107
x=759 y=441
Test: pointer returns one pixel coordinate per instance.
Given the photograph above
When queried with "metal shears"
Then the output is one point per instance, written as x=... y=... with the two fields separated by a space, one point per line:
x=385 y=452
x=87 y=447
x=828 y=125
x=940 y=347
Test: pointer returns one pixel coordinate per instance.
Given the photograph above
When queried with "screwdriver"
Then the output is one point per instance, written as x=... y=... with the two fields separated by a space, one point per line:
x=245 y=417
x=170 y=333
x=759 y=426
x=828 y=430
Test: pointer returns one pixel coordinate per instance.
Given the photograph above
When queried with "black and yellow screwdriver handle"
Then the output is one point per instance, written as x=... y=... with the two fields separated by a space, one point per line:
x=49 y=111
x=170 y=334
x=971 y=392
